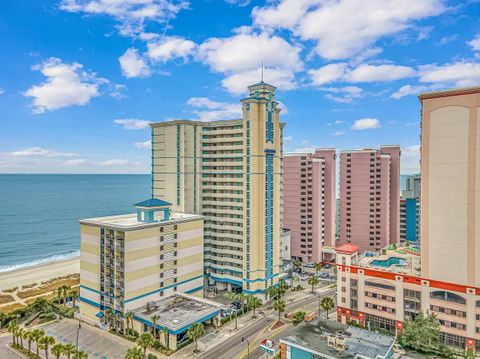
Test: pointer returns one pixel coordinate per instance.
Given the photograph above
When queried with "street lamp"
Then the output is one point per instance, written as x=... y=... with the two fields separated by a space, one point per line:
x=248 y=346
x=78 y=331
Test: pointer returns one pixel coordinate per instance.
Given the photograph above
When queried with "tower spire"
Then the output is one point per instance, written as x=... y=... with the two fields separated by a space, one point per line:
x=262 y=70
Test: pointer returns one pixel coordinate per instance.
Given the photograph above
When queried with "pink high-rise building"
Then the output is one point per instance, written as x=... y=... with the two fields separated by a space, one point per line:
x=370 y=197
x=309 y=203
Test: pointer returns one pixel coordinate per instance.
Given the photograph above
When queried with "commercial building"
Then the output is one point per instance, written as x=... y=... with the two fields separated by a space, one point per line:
x=129 y=260
x=444 y=277
x=332 y=340
x=370 y=197
x=175 y=314
x=309 y=207
x=412 y=187
x=230 y=172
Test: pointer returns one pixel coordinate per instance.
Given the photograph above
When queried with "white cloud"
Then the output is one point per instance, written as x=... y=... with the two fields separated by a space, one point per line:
x=410 y=159
x=133 y=65
x=365 y=124
x=77 y=162
x=132 y=123
x=457 y=74
x=447 y=39
x=66 y=85
x=239 y=2
x=2 y=91
x=40 y=152
x=207 y=110
x=380 y=73
x=344 y=28
x=338 y=122
x=169 y=48
x=328 y=73
x=113 y=162
x=344 y=94
x=475 y=43
x=408 y=90
x=143 y=145
x=244 y=52
x=239 y=57
x=287 y=138
x=338 y=133
x=131 y=14
x=409 y=124
x=237 y=83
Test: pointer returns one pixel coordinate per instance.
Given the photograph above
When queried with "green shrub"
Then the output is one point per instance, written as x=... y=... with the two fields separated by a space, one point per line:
x=152 y=356
x=157 y=345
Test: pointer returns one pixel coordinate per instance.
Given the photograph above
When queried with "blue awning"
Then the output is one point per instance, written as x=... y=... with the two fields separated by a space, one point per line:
x=100 y=315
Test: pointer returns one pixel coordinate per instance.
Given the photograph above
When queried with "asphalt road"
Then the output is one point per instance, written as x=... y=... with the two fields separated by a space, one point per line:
x=255 y=333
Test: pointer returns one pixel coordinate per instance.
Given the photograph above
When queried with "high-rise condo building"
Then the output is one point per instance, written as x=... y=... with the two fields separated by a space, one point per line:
x=410 y=220
x=370 y=197
x=412 y=187
x=443 y=277
x=309 y=207
x=130 y=260
x=230 y=172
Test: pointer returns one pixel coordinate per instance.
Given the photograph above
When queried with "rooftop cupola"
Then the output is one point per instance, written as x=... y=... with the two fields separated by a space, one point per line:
x=262 y=89
x=153 y=210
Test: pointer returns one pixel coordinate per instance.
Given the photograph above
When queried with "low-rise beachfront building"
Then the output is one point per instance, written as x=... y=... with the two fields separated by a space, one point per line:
x=332 y=340
x=129 y=260
x=175 y=314
x=385 y=289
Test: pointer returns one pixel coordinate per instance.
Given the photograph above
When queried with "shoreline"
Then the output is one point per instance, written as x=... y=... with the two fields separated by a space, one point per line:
x=39 y=273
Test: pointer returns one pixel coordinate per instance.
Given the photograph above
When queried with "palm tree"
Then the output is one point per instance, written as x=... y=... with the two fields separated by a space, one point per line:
x=65 y=289
x=74 y=295
x=57 y=350
x=45 y=342
x=80 y=354
x=297 y=264
x=59 y=294
x=134 y=353
x=253 y=302
x=313 y=281
x=109 y=314
x=29 y=338
x=154 y=319
x=241 y=298
x=231 y=296
x=128 y=318
x=37 y=334
x=12 y=328
x=144 y=341
x=69 y=349
x=327 y=304
x=280 y=306
x=19 y=332
x=195 y=332
x=298 y=317
x=318 y=267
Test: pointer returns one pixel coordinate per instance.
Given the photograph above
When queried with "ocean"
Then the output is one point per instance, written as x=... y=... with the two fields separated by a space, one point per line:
x=39 y=213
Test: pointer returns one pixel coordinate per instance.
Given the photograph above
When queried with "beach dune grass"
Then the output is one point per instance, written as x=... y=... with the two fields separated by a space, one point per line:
x=49 y=287
x=6 y=298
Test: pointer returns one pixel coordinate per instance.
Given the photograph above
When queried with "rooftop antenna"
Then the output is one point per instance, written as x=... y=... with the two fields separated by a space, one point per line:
x=262 y=70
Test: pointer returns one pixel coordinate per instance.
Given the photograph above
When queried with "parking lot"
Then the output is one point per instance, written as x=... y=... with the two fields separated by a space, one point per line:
x=97 y=343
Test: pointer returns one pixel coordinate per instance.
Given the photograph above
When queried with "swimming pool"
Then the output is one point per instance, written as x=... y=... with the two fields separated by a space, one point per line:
x=388 y=262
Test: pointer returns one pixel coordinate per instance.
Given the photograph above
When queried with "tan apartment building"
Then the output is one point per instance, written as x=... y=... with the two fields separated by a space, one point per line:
x=444 y=276
x=130 y=260
x=230 y=172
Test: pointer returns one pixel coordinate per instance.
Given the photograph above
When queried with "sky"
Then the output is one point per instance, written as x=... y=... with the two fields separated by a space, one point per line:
x=80 y=80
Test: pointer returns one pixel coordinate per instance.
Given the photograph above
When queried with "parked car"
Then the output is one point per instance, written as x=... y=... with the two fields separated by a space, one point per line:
x=327 y=265
x=236 y=304
x=324 y=275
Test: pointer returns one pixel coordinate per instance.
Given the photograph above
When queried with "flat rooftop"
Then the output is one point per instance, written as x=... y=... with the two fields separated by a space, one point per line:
x=313 y=336
x=179 y=311
x=129 y=221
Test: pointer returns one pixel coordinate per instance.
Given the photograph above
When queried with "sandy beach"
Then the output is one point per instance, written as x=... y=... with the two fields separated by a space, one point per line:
x=37 y=274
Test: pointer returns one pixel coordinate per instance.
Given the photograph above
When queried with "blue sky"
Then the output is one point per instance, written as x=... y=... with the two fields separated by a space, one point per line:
x=81 y=79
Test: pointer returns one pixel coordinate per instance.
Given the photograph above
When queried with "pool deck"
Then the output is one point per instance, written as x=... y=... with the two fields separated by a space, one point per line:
x=411 y=265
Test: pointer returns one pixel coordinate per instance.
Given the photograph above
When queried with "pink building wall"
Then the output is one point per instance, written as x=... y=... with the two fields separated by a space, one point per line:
x=315 y=202
x=369 y=197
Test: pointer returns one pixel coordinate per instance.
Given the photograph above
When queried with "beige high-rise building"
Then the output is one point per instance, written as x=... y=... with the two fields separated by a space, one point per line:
x=229 y=171
x=450 y=188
